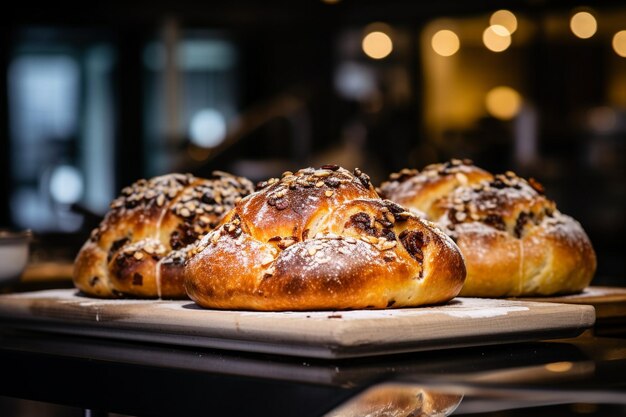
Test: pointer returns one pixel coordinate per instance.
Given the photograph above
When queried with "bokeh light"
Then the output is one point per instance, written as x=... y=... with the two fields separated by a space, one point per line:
x=377 y=45
x=503 y=102
x=208 y=128
x=66 y=184
x=445 y=42
x=504 y=18
x=497 y=38
x=619 y=43
x=583 y=25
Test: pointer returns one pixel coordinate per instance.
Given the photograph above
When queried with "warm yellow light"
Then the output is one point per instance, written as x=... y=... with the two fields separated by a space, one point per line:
x=497 y=38
x=503 y=102
x=583 y=25
x=559 y=366
x=445 y=43
x=377 y=45
x=619 y=43
x=506 y=19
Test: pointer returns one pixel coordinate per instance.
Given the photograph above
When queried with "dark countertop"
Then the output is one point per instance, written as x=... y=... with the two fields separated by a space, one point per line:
x=539 y=378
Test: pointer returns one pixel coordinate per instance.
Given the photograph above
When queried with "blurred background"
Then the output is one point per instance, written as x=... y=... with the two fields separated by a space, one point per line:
x=94 y=97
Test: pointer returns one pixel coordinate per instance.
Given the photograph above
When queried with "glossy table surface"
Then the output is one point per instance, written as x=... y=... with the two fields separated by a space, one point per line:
x=151 y=379
x=580 y=376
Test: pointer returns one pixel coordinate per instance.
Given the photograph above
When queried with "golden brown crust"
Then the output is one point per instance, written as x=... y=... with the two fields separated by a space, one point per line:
x=137 y=249
x=322 y=239
x=514 y=240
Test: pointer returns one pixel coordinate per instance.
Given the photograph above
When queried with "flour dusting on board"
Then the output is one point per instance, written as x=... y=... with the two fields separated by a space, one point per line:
x=472 y=308
x=459 y=308
x=65 y=296
x=484 y=313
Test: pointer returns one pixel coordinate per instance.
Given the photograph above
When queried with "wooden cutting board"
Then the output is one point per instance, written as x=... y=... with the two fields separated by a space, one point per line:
x=609 y=302
x=339 y=334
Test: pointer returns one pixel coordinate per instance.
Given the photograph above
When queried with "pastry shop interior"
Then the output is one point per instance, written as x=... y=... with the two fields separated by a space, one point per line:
x=315 y=208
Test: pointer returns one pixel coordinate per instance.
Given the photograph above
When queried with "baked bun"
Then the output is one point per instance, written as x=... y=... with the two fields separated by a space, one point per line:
x=319 y=240
x=137 y=249
x=397 y=399
x=514 y=240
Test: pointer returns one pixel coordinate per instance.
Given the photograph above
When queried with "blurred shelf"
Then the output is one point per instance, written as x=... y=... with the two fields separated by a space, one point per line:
x=48 y=271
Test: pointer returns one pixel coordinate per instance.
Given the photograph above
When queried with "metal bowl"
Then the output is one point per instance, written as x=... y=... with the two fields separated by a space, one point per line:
x=14 y=248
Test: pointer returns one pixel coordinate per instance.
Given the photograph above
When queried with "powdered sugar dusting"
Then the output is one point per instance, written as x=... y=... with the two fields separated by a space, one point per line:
x=567 y=229
x=335 y=251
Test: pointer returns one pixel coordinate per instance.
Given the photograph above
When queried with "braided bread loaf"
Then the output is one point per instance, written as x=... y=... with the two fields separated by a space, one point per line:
x=514 y=240
x=137 y=249
x=322 y=239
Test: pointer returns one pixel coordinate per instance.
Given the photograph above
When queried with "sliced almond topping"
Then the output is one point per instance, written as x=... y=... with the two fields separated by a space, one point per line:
x=322 y=173
x=343 y=250
x=389 y=245
x=268 y=259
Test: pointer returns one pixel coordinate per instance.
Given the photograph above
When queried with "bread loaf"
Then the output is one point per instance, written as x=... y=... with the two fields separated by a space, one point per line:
x=137 y=249
x=514 y=240
x=322 y=239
